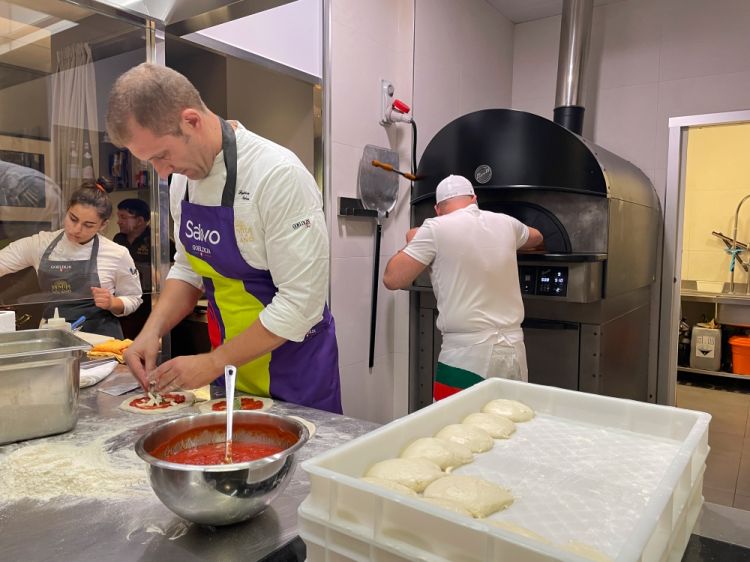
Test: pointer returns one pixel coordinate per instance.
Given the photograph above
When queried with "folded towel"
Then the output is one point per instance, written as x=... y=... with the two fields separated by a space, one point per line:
x=93 y=375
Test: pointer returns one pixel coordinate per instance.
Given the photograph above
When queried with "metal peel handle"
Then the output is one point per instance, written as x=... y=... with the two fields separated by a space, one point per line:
x=229 y=375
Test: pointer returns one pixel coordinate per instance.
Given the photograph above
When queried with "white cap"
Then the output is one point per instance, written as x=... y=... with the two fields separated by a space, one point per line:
x=453 y=186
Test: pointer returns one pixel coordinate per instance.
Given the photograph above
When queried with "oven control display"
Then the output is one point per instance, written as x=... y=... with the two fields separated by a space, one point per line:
x=527 y=277
x=552 y=281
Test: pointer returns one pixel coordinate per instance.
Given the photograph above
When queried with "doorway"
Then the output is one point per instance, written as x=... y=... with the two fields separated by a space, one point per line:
x=705 y=291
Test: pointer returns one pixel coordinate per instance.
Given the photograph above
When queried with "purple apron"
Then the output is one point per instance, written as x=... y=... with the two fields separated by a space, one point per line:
x=304 y=372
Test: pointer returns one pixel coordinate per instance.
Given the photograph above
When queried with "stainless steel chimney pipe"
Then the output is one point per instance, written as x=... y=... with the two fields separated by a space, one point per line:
x=575 y=32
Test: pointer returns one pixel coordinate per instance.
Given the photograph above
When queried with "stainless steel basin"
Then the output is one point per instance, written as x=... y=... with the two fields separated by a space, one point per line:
x=39 y=374
x=731 y=308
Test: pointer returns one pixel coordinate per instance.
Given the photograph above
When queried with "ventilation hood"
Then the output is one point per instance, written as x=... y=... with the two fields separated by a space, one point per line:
x=180 y=17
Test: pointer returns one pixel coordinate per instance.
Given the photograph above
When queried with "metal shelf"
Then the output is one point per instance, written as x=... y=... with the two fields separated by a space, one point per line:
x=713 y=373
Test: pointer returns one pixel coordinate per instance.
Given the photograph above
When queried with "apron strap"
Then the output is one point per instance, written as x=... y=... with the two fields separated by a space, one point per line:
x=92 y=266
x=229 y=148
x=48 y=249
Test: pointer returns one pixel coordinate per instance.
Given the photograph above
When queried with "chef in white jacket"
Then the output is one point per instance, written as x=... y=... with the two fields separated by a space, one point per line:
x=250 y=233
x=80 y=272
x=471 y=256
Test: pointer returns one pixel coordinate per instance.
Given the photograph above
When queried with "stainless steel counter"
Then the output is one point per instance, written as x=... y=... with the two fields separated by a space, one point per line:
x=142 y=528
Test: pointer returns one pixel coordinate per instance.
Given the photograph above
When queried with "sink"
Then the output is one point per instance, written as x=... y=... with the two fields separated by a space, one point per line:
x=718 y=288
x=731 y=308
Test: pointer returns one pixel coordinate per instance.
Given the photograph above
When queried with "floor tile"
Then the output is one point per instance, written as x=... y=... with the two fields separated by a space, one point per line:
x=702 y=549
x=722 y=442
x=729 y=419
x=724 y=523
x=722 y=470
x=742 y=502
x=722 y=497
x=743 y=476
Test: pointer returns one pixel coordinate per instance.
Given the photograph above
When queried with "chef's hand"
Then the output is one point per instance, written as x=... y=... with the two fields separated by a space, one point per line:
x=102 y=297
x=187 y=371
x=140 y=357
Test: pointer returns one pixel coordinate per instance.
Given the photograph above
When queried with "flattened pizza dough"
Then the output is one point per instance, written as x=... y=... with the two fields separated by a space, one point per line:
x=475 y=438
x=497 y=426
x=480 y=497
x=450 y=505
x=149 y=404
x=395 y=486
x=311 y=428
x=445 y=454
x=412 y=473
x=513 y=409
x=257 y=403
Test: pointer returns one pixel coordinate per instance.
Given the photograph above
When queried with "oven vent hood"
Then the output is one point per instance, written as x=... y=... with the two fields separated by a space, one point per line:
x=180 y=17
x=506 y=149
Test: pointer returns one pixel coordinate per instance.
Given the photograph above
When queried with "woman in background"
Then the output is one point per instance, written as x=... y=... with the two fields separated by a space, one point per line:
x=81 y=272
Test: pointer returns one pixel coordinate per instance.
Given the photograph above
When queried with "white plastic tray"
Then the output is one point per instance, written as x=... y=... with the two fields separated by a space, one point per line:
x=617 y=475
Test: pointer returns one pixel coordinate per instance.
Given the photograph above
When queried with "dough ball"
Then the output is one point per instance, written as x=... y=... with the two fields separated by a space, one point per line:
x=480 y=497
x=395 y=486
x=450 y=505
x=497 y=426
x=475 y=438
x=412 y=473
x=512 y=409
x=445 y=454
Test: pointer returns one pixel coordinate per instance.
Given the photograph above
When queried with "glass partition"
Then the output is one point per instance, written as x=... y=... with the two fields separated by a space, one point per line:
x=58 y=62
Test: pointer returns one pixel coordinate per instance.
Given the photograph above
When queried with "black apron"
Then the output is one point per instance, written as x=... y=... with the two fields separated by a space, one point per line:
x=68 y=286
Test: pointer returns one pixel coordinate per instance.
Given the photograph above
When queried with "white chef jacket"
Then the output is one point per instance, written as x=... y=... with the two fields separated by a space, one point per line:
x=279 y=224
x=114 y=264
x=474 y=273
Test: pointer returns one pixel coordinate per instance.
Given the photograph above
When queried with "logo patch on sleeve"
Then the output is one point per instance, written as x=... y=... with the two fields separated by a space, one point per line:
x=301 y=224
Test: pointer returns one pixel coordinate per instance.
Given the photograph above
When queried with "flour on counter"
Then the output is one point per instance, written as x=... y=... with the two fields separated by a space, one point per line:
x=53 y=469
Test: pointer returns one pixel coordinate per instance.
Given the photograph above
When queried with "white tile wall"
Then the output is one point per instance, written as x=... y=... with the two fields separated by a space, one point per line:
x=535 y=46
x=703 y=38
x=462 y=62
x=624 y=122
x=370 y=40
x=689 y=57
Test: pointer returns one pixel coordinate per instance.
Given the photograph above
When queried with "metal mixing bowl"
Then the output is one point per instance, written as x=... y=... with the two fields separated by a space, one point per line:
x=226 y=493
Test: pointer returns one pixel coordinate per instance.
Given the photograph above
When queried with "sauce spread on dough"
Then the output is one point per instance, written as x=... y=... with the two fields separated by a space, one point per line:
x=242 y=403
x=147 y=403
x=213 y=453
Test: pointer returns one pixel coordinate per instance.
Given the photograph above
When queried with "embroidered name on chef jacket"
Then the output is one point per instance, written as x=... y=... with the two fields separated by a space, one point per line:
x=300 y=224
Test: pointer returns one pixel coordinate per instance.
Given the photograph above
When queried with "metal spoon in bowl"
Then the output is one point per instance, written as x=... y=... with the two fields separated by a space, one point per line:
x=229 y=375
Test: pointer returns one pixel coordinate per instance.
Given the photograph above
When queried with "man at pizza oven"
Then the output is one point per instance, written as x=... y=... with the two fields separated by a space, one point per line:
x=471 y=255
x=250 y=232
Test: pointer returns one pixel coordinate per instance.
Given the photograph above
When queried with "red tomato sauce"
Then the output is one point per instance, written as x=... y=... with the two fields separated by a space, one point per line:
x=245 y=446
x=245 y=403
x=213 y=453
x=141 y=402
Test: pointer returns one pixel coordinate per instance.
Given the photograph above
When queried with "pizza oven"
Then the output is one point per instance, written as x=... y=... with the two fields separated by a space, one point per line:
x=587 y=297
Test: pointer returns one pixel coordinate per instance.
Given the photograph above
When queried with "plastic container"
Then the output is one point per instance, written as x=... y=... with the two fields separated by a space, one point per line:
x=740 y=354
x=705 y=348
x=56 y=323
x=639 y=497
